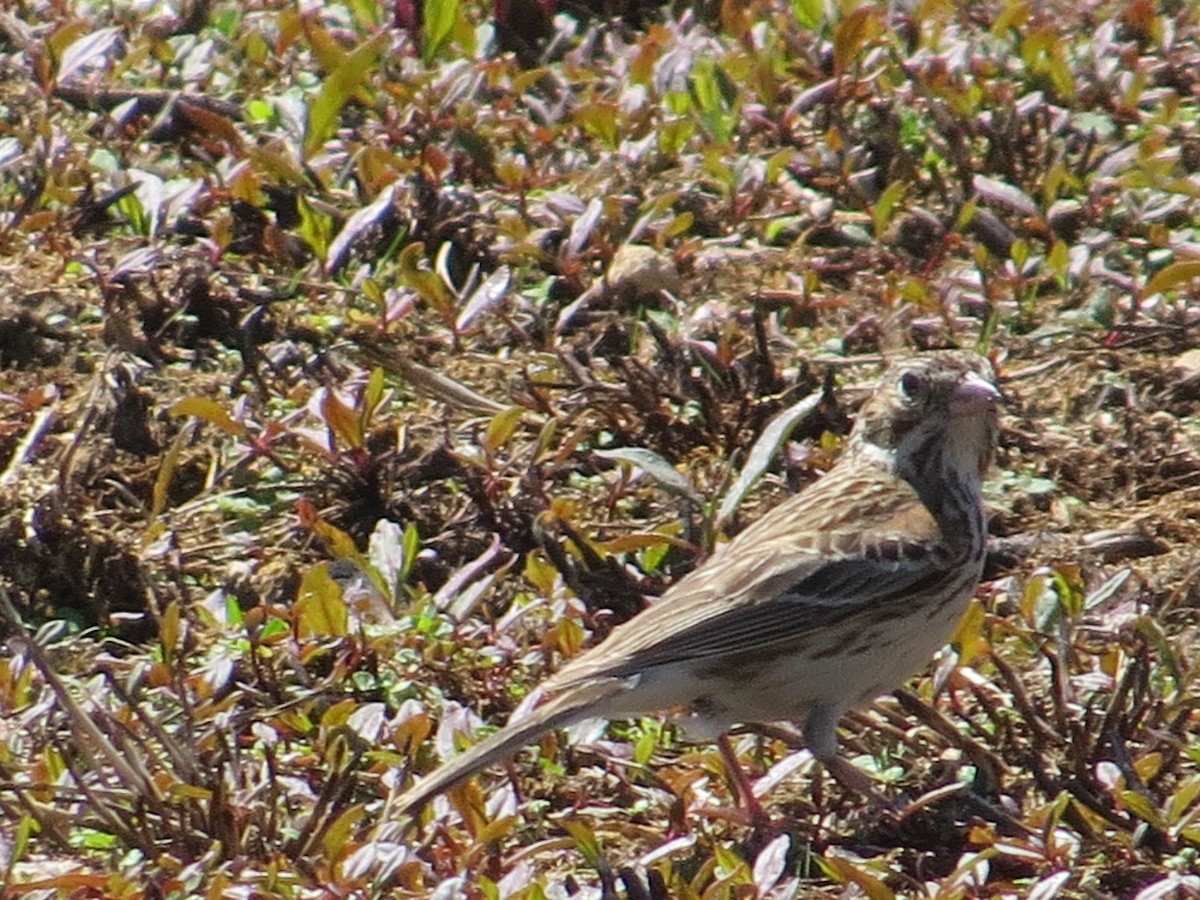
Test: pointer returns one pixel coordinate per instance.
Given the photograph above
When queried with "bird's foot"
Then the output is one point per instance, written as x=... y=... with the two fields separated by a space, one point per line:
x=853 y=780
x=759 y=820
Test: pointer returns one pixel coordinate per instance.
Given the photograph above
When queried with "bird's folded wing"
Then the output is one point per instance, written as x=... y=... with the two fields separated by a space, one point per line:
x=782 y=586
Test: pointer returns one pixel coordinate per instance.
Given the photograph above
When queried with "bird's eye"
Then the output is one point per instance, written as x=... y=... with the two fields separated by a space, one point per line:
x=910 y=385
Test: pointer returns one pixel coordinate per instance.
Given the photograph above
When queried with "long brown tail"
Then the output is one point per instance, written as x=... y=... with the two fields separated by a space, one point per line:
x=573 y=705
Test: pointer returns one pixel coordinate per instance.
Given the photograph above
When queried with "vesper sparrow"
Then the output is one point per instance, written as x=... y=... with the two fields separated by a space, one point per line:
x=834 y=597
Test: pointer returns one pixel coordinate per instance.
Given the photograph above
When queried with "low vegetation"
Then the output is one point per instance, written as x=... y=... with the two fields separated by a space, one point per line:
x=361 y=362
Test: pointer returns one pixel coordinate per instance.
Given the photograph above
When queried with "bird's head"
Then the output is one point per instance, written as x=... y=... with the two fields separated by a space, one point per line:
x=933 y=417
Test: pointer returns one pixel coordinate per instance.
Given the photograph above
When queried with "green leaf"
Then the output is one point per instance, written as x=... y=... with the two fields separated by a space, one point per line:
x=91 y=839
x=273 y=627
x=779 y=226
x=646 y=744
x=585 y=841
x=166 y=472
x=1059 y=260
x=809 y=13
x=714 y=96
x=343 y=423
x=233 y=612
x=339 y=85
x=1019 y=252
x=209 y=411
x=966 y=215
x=339 y=544
x=540 y=574
x=853 y=33
x=366 y=13
x=599 y=119
x=730 y=866
x=337 y=835
x=372 y=397
x=673 y=136
x=169 y=630
x=778 y=163
x=502 y=427
x=1011 y=18
x=1141 y=807
x=651 y=558
x=846 y=872
x=316 y=228
x=25 y=831
x=320 y=609
x=681 y=224
x=1183 y=798
x=437 y=24
x=881 y=215
x=1172 y=276
x=412 y=546
x=426 y=283
x=139 y=219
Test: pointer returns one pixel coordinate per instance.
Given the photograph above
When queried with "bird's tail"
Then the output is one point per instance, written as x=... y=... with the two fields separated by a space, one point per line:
x=573 y=705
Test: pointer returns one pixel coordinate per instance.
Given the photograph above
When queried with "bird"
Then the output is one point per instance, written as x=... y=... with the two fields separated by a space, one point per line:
x=834 y=597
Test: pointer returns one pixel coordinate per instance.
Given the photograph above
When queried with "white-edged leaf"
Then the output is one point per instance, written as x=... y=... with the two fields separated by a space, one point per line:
x=340 y=246
x=11 y=151
x=1001 y=193
x=136 y=262
x=376 y=859
x=1107 y=590
x=457 y=583
x=763 y=451
x=1050 y=886
x=656 y=467
x=456 y=719
x=367 y=721
x=582 y=227
x=770 y=864
x=492 y=291
x=151 y=193
x=88 y=50
x=385 y=552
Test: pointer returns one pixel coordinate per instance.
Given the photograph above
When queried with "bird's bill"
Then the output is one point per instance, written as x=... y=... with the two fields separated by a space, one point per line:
x=975 y=396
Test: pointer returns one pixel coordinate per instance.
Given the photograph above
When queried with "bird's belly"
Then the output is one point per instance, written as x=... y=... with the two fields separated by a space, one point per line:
x=854 y=670
x=838 y=671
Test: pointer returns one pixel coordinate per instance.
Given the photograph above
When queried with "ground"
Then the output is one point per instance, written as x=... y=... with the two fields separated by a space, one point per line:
x=359 y=364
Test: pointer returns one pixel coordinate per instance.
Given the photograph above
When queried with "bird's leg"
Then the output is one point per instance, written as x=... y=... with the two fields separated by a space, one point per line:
x=741 y=784
x=846 y=774
x=852 y=779
x=820 y=734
